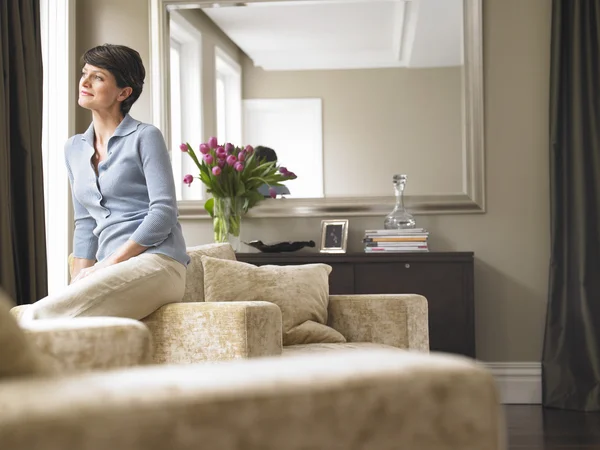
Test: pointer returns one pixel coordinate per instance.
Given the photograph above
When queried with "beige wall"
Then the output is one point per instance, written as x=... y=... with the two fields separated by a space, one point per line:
x=510 y=241
x=378 y=122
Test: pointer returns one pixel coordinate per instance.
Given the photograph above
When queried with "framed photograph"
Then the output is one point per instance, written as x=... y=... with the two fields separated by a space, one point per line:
x=334 y=236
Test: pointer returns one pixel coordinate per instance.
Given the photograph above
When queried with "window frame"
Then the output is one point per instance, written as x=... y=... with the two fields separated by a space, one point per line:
x=177 y=131
x=190 y=41
x=57 y=21
x=230 y=72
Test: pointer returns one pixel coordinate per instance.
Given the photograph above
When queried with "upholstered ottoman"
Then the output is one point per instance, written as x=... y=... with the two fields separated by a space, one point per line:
x=367 y=400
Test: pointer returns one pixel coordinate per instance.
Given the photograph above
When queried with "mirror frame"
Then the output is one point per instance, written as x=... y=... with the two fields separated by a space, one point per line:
x=470 y=201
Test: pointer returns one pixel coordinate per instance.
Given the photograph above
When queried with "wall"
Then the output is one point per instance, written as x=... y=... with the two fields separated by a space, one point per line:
x=510 y=241
x=391 y=120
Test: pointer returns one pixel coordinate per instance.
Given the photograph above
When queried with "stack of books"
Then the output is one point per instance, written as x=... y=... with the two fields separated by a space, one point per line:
x=396 y=241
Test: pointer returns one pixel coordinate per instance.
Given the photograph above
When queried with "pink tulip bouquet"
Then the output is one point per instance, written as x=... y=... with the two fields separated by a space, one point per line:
x=232 y=176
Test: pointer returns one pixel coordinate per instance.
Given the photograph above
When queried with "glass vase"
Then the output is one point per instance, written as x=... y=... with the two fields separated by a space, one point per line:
x=227 y=220
x=399 y=218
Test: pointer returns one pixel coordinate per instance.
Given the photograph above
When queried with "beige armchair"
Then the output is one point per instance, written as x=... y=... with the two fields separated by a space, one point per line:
x=195 y=331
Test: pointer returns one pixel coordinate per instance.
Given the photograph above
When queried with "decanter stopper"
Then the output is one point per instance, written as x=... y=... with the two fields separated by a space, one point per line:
x=399 y=218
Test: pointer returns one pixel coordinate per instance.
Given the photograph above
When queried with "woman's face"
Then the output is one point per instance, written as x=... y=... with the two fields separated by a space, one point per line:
x=98 y=90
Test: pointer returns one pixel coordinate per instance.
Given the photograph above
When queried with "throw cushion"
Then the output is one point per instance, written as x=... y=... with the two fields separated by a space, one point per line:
x=301 y=292
x=18 y=357
x=194 y=284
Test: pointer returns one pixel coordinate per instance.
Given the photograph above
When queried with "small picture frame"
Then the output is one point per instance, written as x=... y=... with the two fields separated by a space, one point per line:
x=334 y=236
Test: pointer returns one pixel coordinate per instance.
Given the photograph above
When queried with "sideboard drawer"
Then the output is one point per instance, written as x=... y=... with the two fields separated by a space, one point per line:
x=444 y=286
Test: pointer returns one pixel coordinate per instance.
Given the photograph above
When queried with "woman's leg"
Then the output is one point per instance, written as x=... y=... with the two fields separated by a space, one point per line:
x=134 y=288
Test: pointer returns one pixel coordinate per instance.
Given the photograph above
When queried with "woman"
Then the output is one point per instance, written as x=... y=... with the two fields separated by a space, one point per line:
x=128 y=247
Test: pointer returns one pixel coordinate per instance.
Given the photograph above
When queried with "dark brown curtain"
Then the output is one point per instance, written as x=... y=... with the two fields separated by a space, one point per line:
x=22 y=230
x=571 y=355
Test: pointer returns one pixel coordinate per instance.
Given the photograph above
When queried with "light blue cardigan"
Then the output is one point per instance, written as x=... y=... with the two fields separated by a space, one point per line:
x=133 y=197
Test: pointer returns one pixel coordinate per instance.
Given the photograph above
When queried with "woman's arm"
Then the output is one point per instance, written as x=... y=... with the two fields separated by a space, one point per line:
x=162 y=210
x=85 y=243
x=128 y=250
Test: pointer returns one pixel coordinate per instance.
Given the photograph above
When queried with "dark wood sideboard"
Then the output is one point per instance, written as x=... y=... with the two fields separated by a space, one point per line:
x=444 y=278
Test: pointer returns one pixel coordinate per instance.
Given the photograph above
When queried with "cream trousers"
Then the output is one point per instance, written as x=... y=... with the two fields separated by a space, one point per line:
x=134 y=289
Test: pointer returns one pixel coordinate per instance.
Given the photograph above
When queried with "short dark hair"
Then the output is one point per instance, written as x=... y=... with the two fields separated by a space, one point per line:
x=265 y=153
x=124 y=63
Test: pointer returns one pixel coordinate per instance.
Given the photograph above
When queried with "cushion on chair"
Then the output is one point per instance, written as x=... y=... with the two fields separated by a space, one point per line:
x=301 y=292
x=18 y=357
x=194 y=284
x=292 y=350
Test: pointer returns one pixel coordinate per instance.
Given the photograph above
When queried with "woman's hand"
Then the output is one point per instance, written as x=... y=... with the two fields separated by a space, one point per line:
x=82 y=274
x=128 y=250
x=79 y=264
x=87 y=271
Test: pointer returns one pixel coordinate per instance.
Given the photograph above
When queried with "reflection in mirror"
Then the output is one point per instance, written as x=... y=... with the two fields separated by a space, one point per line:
x=347 y=92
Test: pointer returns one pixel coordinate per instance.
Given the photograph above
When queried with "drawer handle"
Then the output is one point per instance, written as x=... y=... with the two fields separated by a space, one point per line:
x=407 y=266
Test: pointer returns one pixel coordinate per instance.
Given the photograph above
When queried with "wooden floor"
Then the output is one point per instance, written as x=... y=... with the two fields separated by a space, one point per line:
x=531 y=427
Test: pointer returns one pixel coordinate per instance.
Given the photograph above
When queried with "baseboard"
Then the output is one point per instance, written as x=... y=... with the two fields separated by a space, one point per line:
x=518 y=382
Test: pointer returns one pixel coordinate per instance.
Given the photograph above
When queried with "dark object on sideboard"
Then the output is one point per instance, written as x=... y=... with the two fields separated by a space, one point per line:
x=445 y=279
x=281 y=246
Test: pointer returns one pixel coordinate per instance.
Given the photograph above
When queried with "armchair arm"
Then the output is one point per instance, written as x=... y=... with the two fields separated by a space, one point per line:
x=399 y=320
x=90 y=343
x=18 y=311
x=215 y=331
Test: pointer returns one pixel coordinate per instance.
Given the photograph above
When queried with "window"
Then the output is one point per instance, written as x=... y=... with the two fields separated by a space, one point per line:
x=177 y=135
x=228 y=76
x=58 y=49
x=186 y=102
x=294 y=129
x=221 y=110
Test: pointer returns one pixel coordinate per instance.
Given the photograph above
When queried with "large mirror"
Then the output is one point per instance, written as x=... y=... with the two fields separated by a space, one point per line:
x=347 y=92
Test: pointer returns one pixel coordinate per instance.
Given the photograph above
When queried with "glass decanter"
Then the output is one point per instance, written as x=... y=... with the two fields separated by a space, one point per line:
x=399 y=218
